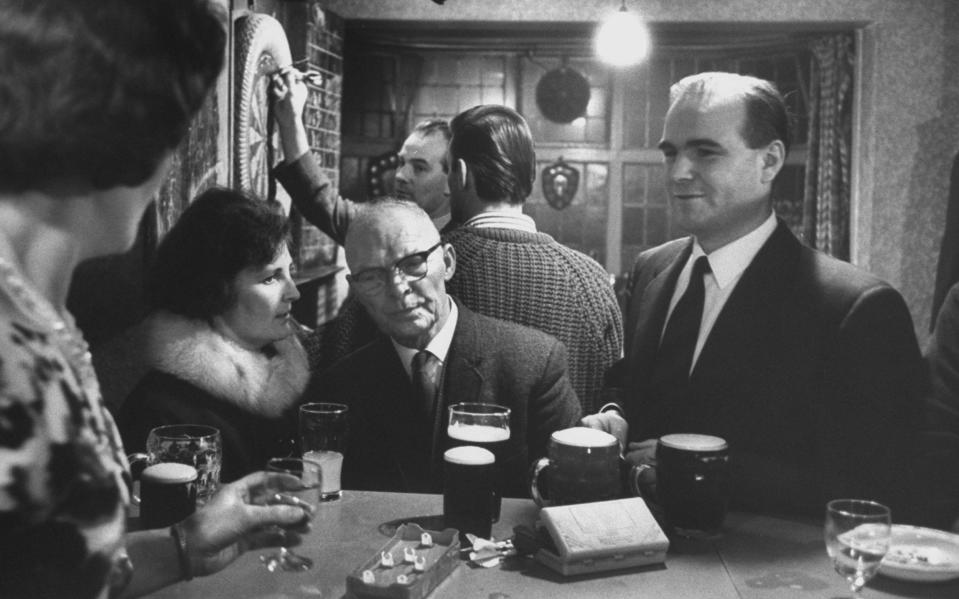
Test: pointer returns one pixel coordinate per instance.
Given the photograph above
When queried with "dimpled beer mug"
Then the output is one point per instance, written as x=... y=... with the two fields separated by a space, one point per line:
x=195 y=445
x=582 y=465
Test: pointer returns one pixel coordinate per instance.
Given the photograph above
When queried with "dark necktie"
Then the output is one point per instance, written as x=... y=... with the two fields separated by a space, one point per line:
x=675 y=354
x=426 y=378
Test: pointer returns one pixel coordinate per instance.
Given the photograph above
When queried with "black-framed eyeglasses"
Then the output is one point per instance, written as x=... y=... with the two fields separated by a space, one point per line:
x=410 y=268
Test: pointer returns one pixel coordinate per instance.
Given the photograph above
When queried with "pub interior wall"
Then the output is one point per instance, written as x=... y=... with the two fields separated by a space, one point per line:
x=908 y=109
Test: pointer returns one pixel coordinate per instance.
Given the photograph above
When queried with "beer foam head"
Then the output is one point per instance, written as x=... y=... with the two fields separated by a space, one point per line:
x=581 y=436
x=693 y=442
x=476 y=433
x=469 y=455
x=169 y=473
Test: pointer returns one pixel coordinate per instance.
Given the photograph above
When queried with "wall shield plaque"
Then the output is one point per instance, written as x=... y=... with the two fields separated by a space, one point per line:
x=560 y=183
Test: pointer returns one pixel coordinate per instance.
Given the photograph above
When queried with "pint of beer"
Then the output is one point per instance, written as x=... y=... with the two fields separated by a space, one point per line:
x=483 y=425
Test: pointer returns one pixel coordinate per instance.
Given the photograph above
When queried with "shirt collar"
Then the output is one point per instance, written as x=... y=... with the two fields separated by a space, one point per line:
x=728 y=262
x=502 y=219
x=439 y=345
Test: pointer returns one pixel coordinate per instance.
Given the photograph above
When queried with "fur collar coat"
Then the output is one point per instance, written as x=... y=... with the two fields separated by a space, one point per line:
x=255 y=382
x=198 y=376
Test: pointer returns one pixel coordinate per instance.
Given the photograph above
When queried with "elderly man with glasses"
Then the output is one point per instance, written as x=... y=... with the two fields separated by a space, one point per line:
x=434 y=352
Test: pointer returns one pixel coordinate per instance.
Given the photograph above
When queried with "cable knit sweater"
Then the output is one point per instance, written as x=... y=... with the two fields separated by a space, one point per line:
x=532 y=279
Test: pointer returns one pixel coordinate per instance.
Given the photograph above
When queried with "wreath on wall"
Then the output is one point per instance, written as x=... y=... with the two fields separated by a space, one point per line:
x=261 y=49
x=378 y=173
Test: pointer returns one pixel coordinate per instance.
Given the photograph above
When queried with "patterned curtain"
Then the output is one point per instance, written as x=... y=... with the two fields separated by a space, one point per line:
x=827 y=188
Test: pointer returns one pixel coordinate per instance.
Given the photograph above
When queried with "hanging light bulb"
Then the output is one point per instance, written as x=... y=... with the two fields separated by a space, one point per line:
x=622 y=40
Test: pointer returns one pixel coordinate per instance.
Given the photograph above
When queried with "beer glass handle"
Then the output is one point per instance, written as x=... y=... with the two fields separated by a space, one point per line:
x=534 y=482
x=138 y=462
x=635 y=484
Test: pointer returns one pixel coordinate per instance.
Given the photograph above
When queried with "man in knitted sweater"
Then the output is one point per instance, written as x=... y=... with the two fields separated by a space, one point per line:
x=509 y=270
x=506 y=269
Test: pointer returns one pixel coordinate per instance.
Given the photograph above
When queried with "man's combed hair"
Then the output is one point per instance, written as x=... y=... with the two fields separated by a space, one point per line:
x=433 y=127
x=497 y=145
x=221 y=233
x=94 y=93
x=767 y=117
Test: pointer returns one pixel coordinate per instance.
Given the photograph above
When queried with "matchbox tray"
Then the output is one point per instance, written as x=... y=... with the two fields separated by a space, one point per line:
x=396 y=577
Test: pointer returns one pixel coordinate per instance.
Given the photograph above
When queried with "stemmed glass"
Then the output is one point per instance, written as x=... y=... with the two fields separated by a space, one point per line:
x=310 y=478
x=857 y=533
x=485 y=425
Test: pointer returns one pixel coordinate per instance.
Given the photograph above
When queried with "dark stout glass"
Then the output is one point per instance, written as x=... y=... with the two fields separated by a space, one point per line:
x=469 y=490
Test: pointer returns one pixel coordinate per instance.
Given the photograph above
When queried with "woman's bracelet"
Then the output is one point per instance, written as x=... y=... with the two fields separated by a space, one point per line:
x=179 y=539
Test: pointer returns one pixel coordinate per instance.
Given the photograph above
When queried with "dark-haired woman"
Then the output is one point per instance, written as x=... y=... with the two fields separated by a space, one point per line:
x=221 y=345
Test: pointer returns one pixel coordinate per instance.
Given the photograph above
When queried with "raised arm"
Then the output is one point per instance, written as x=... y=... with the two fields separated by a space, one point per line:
x=309 y=188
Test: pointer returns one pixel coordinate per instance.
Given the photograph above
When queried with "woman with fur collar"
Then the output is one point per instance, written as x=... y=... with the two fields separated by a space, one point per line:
x=221 y=344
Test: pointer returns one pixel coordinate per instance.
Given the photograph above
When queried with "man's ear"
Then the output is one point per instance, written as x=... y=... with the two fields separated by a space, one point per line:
x=774 y=157
x=462 y=173
x=449 y=259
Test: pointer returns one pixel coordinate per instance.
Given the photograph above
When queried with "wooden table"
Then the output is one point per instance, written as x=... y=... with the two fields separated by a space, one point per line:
x=758 y=557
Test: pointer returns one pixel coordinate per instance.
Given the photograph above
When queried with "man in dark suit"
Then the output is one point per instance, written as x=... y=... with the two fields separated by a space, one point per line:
x=398 y=424
x=806 y=365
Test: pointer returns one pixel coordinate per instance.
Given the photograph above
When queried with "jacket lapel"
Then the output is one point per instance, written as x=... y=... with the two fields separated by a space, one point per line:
x=651 y=306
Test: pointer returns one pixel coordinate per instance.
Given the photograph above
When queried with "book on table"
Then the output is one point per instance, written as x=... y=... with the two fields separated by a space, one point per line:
x=601 y=536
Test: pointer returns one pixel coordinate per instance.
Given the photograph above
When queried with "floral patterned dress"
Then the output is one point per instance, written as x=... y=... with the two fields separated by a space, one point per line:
x=64 y=478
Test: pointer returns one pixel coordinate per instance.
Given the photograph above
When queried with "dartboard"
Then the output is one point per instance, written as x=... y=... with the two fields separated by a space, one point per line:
x=261 y=49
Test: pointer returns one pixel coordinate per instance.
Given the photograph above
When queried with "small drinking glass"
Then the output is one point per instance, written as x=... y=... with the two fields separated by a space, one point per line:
x=857 y=533
x=323 y=431
x=310 y=476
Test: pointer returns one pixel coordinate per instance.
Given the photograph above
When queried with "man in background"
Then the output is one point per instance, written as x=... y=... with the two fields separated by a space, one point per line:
x=507 y=269
x=420 y=175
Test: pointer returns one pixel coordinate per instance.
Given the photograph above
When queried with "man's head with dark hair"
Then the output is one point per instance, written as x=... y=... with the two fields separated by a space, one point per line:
x=221 y=233
x=725 y=139
x=421 y=176
x=492 y=147
x=94 y=94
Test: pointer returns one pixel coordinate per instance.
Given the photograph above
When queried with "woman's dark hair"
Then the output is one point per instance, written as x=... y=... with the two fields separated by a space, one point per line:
x=94 y=93
x=222 y=232
x=496 y=143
